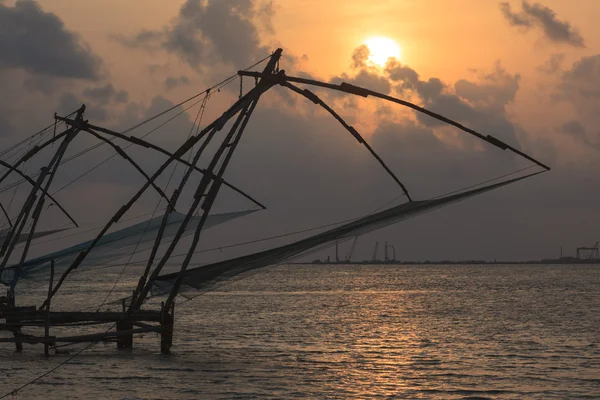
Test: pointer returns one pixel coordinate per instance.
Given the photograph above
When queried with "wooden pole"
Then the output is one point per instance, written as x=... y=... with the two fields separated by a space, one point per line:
x=124 y=341
x=359 y=91
x=47 y=327
x=223 y=154
x=166 y=335
x=17 y=330
x=140 y=142
x=32 y=182
x=241 y=106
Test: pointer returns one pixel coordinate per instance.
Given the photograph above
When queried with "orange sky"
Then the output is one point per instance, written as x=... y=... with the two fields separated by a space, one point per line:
x=439 y=37
x=445 y=39
x=450 y=40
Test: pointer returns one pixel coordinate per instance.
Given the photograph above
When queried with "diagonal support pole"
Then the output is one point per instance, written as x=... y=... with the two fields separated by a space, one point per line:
x=32 y=182
x=125 y=156
x=315 y=99
x=6 y=215
x=209 y=193
x=363 y=92
x=218 y=124
x=143 y=143
x=47 y=172
x=192 y=209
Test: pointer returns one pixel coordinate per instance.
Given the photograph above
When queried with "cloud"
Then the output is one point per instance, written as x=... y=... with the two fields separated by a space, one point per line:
x=553 y=64
x=360 y=55
x=409 y=79
x=38 y=42
x=480 y=105
x=577 y=132
x=365 y=78
x=69 y=102
x=583 y=78
x=580 y=87
x=513 y=18
x=208 y=32
x=309 y=171
x=105 y=94
x=537 y=15
x=494 y=90
x=174 y=81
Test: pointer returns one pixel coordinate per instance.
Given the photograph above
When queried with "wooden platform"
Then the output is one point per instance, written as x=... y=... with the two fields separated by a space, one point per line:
x=13 y=319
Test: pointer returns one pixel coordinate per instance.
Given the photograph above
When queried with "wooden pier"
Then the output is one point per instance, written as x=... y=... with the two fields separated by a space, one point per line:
x=128 y=323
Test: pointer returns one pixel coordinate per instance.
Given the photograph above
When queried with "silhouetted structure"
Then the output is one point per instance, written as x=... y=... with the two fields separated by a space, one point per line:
x=588 y=253
x=132 y=318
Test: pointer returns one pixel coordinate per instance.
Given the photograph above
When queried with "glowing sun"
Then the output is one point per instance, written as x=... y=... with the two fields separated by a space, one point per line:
x=381 y=48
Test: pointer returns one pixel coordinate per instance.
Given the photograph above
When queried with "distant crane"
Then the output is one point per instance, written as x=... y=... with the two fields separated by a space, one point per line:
x=592 y=252
x=375 y=251
x=386 y=256
x=349 y=255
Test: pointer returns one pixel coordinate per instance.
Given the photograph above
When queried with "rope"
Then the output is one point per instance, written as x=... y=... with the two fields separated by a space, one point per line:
x=219 y=86
x=40 y=132
x=14 y=392
x=197 y=121
x=269 y=238
x=87 y=230
x=328 y=245
x=24 y=171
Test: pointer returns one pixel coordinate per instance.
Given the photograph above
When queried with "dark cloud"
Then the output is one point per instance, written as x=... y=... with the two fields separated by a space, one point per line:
x=480 y=105
x=309 y=171
x=583 y=78
x=577 y=132
x=408 y=79
x=208 y=32
x=69 y=102
x=173 y=81
x=41 y=83
x=514 y=19
x=543 y=17
x=38 y=42
x=365 y=78
x=105 y=94
x=100 y=101
x=494 y=90
x=580 y=87
x=360 y=55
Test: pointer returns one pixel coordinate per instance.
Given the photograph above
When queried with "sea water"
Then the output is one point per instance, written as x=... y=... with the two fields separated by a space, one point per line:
x=343 y=331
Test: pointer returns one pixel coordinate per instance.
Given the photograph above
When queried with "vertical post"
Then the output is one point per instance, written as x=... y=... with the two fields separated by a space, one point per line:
x=337 y=258
x=17 y=329
x=47 y=327
x=125 y=324
x=207 y=190
x=166 y=322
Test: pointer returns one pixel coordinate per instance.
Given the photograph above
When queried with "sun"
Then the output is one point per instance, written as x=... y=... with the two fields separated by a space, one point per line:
x=381 y=48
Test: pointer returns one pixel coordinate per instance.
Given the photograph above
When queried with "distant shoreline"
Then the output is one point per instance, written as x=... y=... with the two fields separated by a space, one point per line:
x=564 y=260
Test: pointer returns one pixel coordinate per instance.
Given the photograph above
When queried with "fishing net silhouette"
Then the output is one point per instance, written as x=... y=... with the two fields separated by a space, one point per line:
x=208 y=277
x=118 y=244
